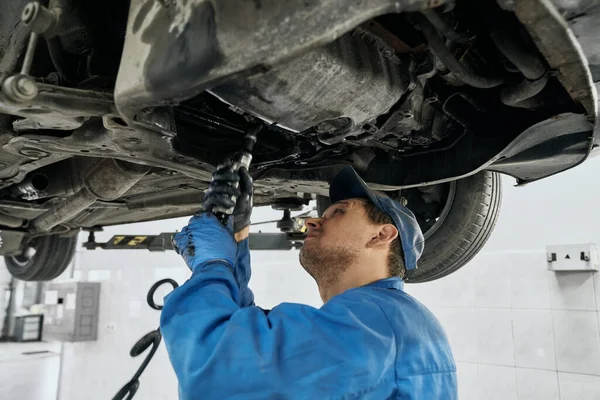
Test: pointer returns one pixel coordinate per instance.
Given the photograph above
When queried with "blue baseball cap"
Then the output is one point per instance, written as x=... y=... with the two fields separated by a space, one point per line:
x=348 y=185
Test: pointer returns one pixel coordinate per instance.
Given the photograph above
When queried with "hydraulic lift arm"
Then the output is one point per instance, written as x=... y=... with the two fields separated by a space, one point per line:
x=162 y=242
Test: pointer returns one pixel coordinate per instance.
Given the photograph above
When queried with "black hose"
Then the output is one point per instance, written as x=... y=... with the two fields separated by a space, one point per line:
x=515 y=95
x=530 y=65
x=437 y=46
x=444 y=28
x=57 y=57
x=152 y=338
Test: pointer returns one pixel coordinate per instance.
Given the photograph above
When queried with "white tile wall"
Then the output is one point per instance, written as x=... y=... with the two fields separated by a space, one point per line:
x=468 y=377
x=577 y=341
x=572 y=291
x=496 y=383
x=525 y=316
x=460 y=325
x=597 y=289
x=579 y=387
x=492 y=281
x=528 y=280
x=457 y=291
x=534 y=340
x=495 y=337
x=534 y=384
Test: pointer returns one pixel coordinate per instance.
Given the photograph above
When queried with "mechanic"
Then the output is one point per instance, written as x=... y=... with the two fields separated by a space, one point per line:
x=369 y=340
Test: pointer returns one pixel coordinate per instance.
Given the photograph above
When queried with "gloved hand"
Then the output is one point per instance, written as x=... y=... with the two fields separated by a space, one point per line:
x=223 y=194
x=205 y=239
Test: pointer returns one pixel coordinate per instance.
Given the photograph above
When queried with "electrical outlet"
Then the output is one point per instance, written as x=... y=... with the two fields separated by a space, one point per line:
x=576 y=257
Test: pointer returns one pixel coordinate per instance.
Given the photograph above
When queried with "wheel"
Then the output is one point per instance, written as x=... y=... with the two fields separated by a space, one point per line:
x=457 y=223
x=43 y=258
x=457 y=219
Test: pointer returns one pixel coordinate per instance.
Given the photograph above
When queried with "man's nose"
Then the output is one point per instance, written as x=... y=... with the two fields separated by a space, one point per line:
x=313 y=223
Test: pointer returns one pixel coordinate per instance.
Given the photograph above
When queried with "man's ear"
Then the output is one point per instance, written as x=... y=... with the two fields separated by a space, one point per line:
x=386 y=235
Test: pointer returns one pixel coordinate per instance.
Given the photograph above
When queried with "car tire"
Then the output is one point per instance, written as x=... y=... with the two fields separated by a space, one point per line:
x=43 y=259
x=469 y=217
x=467 y=227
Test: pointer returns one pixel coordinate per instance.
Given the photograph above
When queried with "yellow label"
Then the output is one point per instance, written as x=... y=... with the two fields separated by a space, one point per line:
x=136 y=240
x=118 y=239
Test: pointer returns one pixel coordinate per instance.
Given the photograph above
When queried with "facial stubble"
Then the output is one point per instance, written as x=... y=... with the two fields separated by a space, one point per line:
x=326 y=264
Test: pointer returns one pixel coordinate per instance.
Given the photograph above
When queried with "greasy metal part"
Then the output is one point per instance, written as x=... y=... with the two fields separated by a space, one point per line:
x=11 y=222
x=46 y=106
x=575 y=8
x=204 y=42
x=21 y=88
x=94 y=140
x=108 y=181
x=33 y=187
x=526 y=60
x=399 y=46
x=442 y=26
x=17 y=89
x=29 y=54
x=562 y=51
x=62 y=212
x=38 y=18
x=513 y=95
x=356 y=78
x=533 y=155
x=438 y=47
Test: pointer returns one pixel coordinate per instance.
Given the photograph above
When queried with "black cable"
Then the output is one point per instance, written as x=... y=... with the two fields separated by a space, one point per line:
x=152 y=338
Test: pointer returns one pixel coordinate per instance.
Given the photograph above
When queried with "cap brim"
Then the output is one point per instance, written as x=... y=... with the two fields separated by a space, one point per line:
x=348 y=185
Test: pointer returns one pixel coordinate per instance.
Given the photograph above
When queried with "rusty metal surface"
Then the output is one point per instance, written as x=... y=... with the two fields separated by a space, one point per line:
x=561 y=49
x=55 y=107
x=357 y=76
x=201 y=42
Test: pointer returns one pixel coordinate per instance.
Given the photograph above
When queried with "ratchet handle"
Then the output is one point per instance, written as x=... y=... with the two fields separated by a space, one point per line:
x=244 y=161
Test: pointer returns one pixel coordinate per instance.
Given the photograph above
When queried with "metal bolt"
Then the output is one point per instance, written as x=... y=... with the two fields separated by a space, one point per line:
x=27 y=86
x=19 y=88
x=404 y=201
x=38 y=18
x=29 y=12
x=33 y=153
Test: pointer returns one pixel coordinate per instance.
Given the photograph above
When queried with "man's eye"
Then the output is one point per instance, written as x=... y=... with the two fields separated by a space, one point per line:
x=337 y=210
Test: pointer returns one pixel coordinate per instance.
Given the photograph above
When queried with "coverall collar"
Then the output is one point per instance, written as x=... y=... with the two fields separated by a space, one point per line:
x=388 y=283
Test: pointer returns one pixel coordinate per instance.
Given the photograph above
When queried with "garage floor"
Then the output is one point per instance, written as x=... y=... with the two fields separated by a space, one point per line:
x=517 y=330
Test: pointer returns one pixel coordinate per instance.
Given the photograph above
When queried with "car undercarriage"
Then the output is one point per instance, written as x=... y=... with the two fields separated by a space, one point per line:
x=118 y=112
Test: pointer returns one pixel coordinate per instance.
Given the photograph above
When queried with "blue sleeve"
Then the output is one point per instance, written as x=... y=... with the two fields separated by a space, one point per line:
x=221 y=350
x=242 y=273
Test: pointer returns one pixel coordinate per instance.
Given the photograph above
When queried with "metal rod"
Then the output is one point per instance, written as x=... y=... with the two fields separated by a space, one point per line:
x=108 y=181
x=444 y=28
x=526 y=60
x=437 y=46
x=30 y=53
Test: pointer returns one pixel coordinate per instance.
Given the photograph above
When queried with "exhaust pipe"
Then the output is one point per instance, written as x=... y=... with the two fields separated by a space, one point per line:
x=33 y=187
x=109 y=180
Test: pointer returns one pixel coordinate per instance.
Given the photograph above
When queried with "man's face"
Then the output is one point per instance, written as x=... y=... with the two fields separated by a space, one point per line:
x=335 y=240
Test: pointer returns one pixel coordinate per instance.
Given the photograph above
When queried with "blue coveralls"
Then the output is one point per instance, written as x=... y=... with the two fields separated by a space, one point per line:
x=371 y=342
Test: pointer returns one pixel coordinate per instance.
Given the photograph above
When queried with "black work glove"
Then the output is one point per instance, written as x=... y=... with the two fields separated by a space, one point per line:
x=231 y=190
